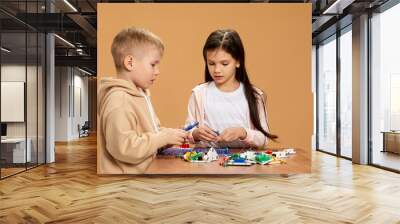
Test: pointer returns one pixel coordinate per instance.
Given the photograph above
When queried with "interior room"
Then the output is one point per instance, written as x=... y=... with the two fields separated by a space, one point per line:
x=349 y=120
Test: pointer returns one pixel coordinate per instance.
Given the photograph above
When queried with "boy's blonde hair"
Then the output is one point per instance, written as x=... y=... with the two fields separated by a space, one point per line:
x=128 y=40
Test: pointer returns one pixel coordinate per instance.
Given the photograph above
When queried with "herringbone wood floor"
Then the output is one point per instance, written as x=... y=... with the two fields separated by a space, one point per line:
x=69 y=191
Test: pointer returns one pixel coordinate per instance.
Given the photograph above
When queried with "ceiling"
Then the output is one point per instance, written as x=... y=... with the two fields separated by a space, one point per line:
x=76 y=22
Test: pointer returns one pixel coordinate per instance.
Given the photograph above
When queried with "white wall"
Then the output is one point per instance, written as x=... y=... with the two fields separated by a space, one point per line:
x=71 y=93
x=81 y=102
x=13 y=73
x=62 y=80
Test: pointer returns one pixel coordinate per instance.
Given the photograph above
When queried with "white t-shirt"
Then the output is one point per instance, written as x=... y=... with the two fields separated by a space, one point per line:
x=226 y=109
x=151 y=110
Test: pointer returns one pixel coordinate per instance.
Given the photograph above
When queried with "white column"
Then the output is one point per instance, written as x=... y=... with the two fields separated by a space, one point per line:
x=360 y=90
x=50 y=103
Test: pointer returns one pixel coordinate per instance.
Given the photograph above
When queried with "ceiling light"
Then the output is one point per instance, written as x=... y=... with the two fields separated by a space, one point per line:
x=5 y=50
x=70 y=5
x=84 y=71
x=337 y=7
x=64 y=40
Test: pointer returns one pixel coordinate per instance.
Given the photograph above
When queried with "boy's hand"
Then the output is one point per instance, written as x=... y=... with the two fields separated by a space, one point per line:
x=175 y=136
x=204 y=133
x=232 y=134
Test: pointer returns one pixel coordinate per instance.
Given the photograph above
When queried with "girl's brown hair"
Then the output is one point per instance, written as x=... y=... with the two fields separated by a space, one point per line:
x=229 y=41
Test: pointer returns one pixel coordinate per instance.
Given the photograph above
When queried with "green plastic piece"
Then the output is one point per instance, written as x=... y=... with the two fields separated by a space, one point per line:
x=262 y=158
x=196 y=156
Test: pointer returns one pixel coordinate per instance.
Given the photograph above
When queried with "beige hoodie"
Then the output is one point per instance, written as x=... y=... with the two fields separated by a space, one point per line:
x=128 y=136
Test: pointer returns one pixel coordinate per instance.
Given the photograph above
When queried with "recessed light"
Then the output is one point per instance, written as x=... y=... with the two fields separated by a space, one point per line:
x=71 y=6
x=64 y=40
x=5 y=50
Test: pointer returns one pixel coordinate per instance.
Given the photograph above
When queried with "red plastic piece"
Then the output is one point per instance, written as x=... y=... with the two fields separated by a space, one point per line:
x=185 y=145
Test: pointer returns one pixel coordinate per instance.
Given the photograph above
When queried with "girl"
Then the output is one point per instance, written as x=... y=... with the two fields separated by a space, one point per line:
x=227 y=106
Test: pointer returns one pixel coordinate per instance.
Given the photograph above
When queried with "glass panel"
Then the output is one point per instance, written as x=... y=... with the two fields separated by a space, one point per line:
x=13 y=85
x=41 y=98
x=23 y=88
x=314 y=77
x=327 y=96
x=346 y=94
x=31 y=101
x=386 y=89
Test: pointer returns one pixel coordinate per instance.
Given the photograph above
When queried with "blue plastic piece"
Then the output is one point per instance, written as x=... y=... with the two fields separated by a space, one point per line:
x=191 y=126
x=239 y=160
x=181 y=151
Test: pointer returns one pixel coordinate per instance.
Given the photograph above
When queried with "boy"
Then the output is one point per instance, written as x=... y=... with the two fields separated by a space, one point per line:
x=129 y=133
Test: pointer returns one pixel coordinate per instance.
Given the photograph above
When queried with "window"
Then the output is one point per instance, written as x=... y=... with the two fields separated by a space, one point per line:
x=327 y=96
x=346 y=93
x=385 y=88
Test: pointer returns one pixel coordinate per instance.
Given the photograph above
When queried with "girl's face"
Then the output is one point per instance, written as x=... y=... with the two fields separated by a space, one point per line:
x=221 y=66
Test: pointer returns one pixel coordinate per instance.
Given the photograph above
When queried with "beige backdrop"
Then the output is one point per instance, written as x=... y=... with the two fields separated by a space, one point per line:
x=277 y=40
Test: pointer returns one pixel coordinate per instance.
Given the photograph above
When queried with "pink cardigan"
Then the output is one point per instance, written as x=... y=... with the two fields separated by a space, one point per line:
x=196 y=112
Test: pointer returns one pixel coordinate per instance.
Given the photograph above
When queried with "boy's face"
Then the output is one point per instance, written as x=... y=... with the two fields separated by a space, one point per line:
x=145 y=66
x=221 y=66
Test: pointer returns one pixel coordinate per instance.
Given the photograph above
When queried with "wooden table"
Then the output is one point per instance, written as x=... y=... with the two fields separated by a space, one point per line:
x=297 y=163
x=391 y=141
x=14 y=152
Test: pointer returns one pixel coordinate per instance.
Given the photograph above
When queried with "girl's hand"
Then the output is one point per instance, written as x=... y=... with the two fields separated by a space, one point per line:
x=204 y=133
x=232 y=134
